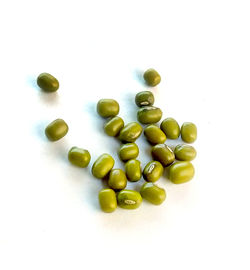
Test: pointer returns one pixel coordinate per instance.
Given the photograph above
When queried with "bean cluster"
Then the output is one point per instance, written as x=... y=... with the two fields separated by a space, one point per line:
x=179 y=171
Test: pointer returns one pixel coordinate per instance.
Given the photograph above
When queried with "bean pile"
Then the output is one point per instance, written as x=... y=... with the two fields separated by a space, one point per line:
x=163 y=156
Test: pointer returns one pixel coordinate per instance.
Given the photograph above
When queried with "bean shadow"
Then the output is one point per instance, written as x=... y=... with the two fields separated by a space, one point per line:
x=138 y=76
x=60 y=150
x=91 y=189
x=166 y=173
x=136 y=185
x=38 y=130
x=129 y=108
x=91 y=109
x=49 y=98
x=31 y=81
x=97 y=122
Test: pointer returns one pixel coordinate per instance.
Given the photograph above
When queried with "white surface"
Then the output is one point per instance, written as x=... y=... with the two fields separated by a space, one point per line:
x=49 y=211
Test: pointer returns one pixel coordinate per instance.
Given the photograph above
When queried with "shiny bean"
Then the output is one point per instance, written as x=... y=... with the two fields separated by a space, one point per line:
x=108 y=107
x=107 y=200
x=188 y=132
x=133 y=170
x=153 y=193
x=184 y=152
x=102 y=166
x=117 y=179
x=152 y=77
x=79 y=157
x=171 y=128
x=163 y=154
x=47 y=82
x=129 y=199
x=153 y=171
x=128 y=151
x=56 y=130
x=130 y=132
x=114 y=126
x=149 y=115
x=181 y=172
x=154 y=134
x=144 y=98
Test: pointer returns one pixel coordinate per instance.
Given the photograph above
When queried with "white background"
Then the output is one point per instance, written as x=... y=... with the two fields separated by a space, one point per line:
x=50 y=217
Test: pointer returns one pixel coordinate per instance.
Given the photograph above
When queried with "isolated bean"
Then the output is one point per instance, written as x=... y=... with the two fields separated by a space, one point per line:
x=129 y=199
x=79 y=157
x=149 y=115
x=102 y=166
x=113 y=126
x=153 y=171
x=56 y=130
x=133 y=170
x=153 y=193
x=163 y=154
x=171 y=128
x=152 y=77
x=107 y=107
x=107 y=200
x=47 y=82
x=154 y=134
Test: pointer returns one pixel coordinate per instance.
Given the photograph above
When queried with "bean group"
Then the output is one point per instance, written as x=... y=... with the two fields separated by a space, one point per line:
x=162 y=155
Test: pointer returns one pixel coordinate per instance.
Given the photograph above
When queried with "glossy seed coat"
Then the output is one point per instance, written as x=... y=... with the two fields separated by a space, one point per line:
x=56 y=130
x=144 y=98
x=114 y=126
x=152 y=77
x=117 y=179
x=128 y=151
x=107 y=107
x=79 y=157
x=153 y=193
x=154 y=134
x=163 y=154
x=133 y=170
x=130 y=132
x=102 y=166
x=181 y=172
x=107 y=200
x=129 y=199
x=153 y=171
x=171 y=128
x=47 y=82
x=188 y=132
x=184 y=152
x=149 y=115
